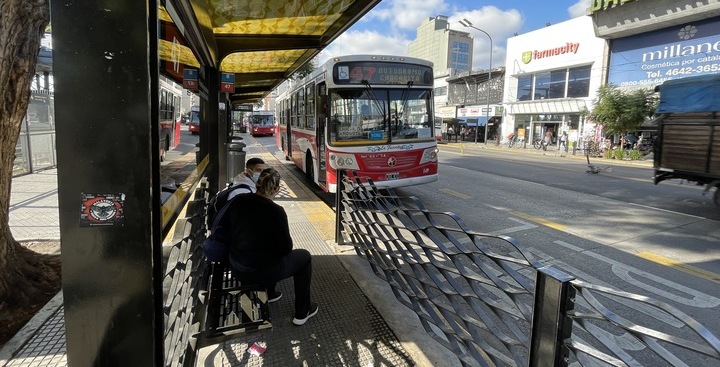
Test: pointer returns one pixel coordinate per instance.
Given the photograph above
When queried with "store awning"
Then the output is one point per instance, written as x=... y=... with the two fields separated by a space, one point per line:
x=472 y=121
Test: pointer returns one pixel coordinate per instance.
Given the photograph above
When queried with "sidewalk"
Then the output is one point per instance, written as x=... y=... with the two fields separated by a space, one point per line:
x=359 y=324
x=467 y=147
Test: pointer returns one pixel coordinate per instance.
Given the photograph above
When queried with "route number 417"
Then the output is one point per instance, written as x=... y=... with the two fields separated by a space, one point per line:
x=360 y=73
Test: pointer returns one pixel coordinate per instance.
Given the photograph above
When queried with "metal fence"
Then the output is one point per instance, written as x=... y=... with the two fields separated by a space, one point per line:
x=35 y=149
x=489 y=301
x=183 y=285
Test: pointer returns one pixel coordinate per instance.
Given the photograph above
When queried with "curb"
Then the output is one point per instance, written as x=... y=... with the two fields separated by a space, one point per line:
x=465 y=148
x=27 y=332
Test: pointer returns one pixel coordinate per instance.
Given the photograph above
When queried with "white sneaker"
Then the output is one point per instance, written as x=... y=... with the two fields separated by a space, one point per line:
x=313 y=311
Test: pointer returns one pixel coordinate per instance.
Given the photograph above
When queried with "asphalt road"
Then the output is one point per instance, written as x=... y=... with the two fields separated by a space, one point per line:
x=614 y=229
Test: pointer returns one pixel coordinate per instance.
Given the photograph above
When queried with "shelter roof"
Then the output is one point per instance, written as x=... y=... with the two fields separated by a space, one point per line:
x=261 y=42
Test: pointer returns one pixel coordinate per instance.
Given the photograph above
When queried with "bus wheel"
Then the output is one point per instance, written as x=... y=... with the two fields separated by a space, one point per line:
x=164 y=146
x=309 y=171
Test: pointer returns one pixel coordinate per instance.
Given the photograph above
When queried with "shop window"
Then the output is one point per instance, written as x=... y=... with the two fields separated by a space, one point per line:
x=542 y=85
x=556 y=87
x=524 y=91
x=579 y=82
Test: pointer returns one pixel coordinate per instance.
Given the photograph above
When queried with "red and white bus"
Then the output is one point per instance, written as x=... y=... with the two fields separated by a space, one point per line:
x=170 y=120
x=262 y=123
x=371 y=114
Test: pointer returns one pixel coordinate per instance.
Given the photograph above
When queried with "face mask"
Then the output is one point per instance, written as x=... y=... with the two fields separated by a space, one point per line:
x=255 y=176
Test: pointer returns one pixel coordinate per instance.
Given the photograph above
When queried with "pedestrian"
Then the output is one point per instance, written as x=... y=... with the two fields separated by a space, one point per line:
x=563 y=140
x=548 y=138
x=462 y=134
x=450 y=133
x=261 y=248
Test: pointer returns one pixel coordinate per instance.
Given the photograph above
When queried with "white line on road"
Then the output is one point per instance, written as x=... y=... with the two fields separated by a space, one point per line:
x=524 y=226
x=667 y=211
x=694 y=297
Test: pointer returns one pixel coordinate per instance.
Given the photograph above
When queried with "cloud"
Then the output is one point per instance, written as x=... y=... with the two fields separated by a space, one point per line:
x=499 y=24
x=364 y=43
x=578 y=9
x=407 y=14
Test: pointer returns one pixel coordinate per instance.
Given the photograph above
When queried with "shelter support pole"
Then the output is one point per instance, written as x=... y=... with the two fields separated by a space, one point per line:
x=106 y=107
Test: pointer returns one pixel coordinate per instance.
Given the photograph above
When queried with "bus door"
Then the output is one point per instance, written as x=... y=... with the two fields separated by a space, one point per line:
x=321 y=113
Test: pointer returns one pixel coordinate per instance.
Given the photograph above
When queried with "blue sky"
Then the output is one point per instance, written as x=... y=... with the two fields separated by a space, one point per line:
x=392 y=24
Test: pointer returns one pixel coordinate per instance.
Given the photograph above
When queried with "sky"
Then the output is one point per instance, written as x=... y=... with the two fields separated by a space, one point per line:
x=389 y=27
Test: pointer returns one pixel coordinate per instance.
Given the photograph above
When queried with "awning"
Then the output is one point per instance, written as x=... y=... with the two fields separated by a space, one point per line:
x=472 y=121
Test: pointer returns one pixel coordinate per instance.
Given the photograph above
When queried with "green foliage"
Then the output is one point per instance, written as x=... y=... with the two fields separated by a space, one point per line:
x=635 y=155
x=622 y=111
x=608 y=154
x=303 y=71
x=619 y=154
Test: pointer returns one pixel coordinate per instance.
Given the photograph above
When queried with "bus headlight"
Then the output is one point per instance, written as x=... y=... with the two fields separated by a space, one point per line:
x=429 y=155
x=343 y=161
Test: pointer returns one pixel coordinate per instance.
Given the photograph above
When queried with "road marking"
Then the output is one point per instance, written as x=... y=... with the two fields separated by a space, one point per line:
x=666 y=211
x=546 y=259
x=456 y=194
x=647 y=281
x=539 y=220
x=677 y=265
x=524 y=226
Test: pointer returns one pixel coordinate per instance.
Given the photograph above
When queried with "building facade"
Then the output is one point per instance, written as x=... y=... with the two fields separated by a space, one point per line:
x=651 y=42
x=553 y=74
x=551 y=77
x=448 y=49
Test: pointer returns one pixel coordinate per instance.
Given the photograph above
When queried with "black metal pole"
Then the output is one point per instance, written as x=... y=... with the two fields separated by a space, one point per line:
x=553 y=298
x=339 y=239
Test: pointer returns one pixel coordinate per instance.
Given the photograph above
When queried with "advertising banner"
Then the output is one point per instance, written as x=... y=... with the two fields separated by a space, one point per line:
x=671 y=53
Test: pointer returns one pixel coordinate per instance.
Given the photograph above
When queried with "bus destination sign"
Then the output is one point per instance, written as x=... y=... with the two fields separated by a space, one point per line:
x=382 y=73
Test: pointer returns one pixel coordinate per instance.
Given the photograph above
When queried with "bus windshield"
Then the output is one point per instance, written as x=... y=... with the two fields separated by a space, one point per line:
x=262 y=120
x=380 y=116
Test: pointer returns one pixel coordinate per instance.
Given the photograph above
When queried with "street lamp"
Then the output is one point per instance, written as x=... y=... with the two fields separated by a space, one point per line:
x=466 y=23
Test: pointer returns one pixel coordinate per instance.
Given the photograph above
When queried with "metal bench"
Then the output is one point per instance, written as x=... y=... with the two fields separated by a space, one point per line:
x=229 y=308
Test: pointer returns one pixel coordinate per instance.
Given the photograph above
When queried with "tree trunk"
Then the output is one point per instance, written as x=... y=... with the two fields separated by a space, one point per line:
x=23 y=273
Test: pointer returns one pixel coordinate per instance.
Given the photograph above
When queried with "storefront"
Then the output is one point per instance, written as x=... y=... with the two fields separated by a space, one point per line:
x=552 y=77
x=474 y=120
x=678 y=51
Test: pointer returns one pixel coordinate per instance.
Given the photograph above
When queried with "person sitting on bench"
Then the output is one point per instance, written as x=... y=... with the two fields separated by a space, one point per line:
x=261 y=249
x=253 y=167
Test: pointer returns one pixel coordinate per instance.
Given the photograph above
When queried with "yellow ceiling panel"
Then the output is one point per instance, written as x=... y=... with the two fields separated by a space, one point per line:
x=301 y=17
x=177 y=53
x=314 y=26
x=260 y=61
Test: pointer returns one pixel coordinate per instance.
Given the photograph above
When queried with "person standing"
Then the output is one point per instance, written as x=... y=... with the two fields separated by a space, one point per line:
x=261 y=248
x=548 y=138
x=450 y=133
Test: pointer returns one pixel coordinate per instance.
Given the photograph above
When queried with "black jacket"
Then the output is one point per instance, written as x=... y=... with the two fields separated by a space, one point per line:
x=260 y=235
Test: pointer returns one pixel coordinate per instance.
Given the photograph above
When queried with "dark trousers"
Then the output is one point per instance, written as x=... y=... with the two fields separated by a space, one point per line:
x=296 y=264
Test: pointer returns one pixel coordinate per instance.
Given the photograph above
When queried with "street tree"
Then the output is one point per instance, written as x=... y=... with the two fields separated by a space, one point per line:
x=304 y=70
x=622 y=111
x=25 y=276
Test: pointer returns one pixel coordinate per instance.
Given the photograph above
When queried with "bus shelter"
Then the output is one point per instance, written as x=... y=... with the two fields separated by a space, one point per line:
x=116 y=64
